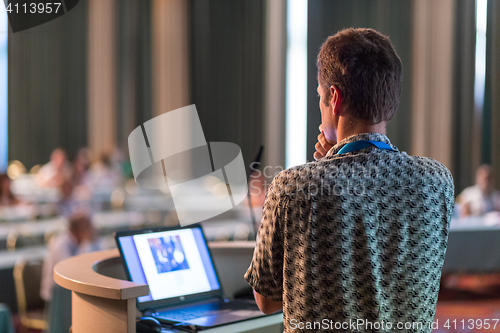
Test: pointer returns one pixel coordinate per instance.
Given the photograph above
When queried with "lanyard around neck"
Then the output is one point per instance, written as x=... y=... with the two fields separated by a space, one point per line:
x=357 y=145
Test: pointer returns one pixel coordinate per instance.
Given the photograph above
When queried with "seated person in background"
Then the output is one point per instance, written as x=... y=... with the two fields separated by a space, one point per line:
x=481 y=198
x=80 y=167
x=10 y=206
x=7 y=198
x=53 y=173
x=73 y=199
x=80 y=178
x=79 y=238
x=105 y=173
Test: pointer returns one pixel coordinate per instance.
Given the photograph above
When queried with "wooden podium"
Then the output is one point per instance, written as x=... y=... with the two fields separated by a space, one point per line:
x=100 y=302
x=104 y=302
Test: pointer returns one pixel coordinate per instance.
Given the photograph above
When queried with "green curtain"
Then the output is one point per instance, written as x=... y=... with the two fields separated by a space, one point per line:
x=491 y=139
x=464 y=118
x=133 y=67
x=227 y=70
x=47 y=88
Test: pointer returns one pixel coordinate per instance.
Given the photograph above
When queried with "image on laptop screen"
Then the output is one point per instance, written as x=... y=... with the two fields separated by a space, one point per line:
x=173 y=263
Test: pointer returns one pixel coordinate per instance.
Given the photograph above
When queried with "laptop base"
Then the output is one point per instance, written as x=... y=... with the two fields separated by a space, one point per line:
x=209 y=314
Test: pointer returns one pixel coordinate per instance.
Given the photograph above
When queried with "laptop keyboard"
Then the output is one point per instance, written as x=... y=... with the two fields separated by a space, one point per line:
x=200 y=310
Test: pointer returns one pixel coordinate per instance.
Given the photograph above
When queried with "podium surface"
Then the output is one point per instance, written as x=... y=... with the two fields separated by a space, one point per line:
x=103 y=301
x=100 y=303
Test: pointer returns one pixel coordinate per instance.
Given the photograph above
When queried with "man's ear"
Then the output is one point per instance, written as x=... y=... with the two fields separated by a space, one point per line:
x=336 y=99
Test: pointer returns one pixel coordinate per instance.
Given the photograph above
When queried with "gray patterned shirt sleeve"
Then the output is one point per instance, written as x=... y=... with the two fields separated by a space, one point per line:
x=265 y=274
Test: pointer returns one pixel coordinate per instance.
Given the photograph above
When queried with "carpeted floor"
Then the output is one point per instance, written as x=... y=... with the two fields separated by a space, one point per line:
x=469 y=303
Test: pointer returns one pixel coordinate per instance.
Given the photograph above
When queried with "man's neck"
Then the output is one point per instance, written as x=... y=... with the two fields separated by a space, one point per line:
x=348 y=127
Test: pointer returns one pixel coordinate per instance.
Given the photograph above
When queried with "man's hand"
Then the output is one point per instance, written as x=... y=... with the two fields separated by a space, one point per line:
x=266 y=305
x=323 y=146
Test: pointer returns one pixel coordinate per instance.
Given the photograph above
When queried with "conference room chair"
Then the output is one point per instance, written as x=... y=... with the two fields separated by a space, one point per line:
x=30 y=306
x=16 y=240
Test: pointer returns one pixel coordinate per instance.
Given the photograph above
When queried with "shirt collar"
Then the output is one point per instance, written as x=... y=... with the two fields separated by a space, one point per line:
x=358 y=137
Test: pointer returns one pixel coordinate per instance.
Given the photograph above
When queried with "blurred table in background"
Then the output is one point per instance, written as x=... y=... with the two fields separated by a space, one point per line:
x=9 y=258
x=38 y=230
x=128 y=197
x=474 y=245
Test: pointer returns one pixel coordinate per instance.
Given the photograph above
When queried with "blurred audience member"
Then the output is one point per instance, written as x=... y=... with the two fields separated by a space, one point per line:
x=121 y=164
x=105 y=172
x=481 y=198
x=79 y=238
x=53 y=173
x=73 y=199
x=83 y=157
x=10 y=206
x=7 y=198
x=80 y=168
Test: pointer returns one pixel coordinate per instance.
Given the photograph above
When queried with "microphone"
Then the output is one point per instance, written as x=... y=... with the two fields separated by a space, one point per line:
x=256 y=160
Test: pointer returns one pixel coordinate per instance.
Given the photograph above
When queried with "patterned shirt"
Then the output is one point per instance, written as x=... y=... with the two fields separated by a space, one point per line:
x=355 y=242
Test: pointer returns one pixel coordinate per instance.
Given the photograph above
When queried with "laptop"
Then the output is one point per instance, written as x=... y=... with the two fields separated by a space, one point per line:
x=184 y=288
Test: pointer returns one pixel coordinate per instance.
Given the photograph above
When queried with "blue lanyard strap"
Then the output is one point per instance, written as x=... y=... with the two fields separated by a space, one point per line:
x=357 y=145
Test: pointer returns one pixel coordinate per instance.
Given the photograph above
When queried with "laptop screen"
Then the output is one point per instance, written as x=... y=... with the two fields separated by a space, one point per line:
x=174 y=263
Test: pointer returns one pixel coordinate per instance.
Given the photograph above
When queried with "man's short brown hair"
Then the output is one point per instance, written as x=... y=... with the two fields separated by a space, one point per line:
x=363 y=65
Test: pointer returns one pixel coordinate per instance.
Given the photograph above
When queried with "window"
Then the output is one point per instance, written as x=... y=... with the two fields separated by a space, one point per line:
x=4 y=29
x=296 y=83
